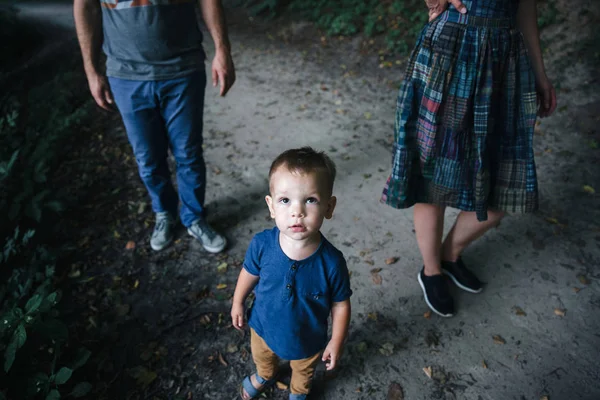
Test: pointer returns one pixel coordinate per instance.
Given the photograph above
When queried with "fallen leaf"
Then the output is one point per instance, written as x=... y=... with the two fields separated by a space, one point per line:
x=560 y=312
x=130 y=245
x=368 y=115
x=222 y=360
x=483 y=364
x=498 y=339
x=377 y=279
x=427 y=315
x=552 y=220
x=232 y=348
x=544 y=398
x=221 y=286
x=222 y=267
x=123 y=309
x=576 y=289
x=217 y=170
x=361 y=347
x=395 y=392
x=583 y=279
x=117 y=235
x=427 y=371
x=391 y=260
x=370 y=262
x=136 y=284
x=387 y=349
x=589 y=189
x=519 y=311
x=143 y=376
x=372 y=316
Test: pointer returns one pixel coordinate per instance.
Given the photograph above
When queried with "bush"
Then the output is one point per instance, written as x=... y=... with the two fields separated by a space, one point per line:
x=33 y=339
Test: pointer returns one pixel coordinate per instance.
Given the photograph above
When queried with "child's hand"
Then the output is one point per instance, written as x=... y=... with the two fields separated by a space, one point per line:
x=331 y=355
x=237 y=316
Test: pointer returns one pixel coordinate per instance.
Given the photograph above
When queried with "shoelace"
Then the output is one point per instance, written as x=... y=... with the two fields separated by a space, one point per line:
x=206 y=230
x=161 y=224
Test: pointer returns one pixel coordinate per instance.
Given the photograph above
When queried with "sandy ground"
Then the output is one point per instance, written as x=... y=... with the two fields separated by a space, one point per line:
x=532 y=332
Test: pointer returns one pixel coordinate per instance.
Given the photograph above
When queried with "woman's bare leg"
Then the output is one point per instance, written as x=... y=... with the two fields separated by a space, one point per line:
x=429 y=226
x=467 y=229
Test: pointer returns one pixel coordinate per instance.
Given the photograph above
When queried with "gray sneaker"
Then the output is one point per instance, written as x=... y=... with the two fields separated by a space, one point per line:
x=164 y=231
x=211 y=240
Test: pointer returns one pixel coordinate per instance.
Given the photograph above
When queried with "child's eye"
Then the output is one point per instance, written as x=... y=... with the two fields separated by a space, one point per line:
x=284 y=200
x=311 y=200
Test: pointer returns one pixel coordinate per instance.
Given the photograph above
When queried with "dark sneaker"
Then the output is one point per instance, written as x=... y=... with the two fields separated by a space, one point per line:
x=462 y=277
x=437 y=297
x=211 y=240
x=164 y=231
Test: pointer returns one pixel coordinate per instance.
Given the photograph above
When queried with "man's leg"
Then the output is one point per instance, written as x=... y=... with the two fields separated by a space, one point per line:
x=145 y=130
x=182 y=106
x=302 y=375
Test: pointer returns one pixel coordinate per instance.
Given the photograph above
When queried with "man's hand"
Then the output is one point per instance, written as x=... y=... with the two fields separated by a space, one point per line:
x=436 y=7
x=237 y=316
x=331 y=355
x=101 y=91
x=223 y=72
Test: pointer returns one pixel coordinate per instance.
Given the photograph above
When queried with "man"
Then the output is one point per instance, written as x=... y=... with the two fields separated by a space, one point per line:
x=155 y=76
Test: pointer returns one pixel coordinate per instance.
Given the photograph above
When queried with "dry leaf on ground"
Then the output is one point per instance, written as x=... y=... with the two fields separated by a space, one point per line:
x=589 y=189
x=427 y=315
x=221 y=286
x=391 y=260
x=519 y=311
x=377 y=279
x=428 y=371
x=483 y=364
x=498 y=339
x=222 y=267
x=387 y=349
x=130 y=245
x=281 y=386
x=395 y=392
x=560 y=312
x=583 y=279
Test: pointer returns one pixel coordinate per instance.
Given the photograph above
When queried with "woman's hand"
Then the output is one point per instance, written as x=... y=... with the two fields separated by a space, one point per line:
x=546 y=97
x=436 y=7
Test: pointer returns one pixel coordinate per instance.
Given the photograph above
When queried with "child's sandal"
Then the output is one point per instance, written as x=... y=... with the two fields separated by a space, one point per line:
x=297 y=396
x=252 y=391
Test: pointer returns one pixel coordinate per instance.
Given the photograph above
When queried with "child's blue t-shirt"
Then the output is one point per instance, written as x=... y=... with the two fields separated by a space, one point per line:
x=293 y=298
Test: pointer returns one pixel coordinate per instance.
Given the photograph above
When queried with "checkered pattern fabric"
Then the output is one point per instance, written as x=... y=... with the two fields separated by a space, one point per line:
x=465 y=116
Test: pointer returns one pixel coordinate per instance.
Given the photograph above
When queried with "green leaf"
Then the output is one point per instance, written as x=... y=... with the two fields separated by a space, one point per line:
x=63 y=375
x=33 y=304
x=81 y=389
x=9 y=356
x=53 y=395
x=81 y=357
x=19 y=336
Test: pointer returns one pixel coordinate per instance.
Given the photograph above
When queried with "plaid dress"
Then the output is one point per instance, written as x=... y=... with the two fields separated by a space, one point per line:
x=465 y=115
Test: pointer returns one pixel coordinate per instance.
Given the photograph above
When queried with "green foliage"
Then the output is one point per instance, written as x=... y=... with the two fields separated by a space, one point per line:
x=34 y=133
x=399 y=20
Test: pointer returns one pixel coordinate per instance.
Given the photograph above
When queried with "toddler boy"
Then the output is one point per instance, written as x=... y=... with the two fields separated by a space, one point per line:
x=298 y=277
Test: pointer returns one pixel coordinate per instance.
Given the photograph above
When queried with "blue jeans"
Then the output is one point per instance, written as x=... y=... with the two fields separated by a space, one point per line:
x=163 y=115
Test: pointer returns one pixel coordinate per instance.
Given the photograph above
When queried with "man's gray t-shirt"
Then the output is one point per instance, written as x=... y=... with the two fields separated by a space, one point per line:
x=151 y=39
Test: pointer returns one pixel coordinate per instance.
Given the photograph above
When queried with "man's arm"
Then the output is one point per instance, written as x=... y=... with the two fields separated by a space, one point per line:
x=245 y=284
x=340 y=319
x=223 y=72
x=88 y=23
x=527 y=24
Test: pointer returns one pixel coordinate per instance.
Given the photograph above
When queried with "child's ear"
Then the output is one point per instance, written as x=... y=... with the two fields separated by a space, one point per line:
x=269 y=201
x=330 y=207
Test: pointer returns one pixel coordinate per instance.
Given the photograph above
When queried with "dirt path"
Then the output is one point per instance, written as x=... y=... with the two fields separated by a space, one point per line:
x=158 y=323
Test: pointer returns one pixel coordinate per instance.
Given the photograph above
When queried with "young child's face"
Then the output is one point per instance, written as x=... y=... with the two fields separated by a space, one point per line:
x=299 y=202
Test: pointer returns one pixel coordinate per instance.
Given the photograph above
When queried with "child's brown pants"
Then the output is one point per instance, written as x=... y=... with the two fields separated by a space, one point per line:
x=267 y=364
